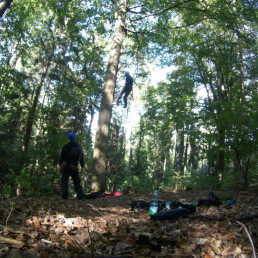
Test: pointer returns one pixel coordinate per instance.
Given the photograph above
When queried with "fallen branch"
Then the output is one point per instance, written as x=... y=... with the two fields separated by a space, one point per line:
x=254 y=216
x=11 y=241
x=250 y=239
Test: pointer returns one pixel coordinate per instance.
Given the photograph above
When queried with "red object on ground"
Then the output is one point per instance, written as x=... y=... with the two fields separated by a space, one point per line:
x=118 y=193
x=114 y=194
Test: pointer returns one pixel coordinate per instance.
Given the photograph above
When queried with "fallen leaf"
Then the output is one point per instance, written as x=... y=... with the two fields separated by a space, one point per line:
x=68 y=242
x=36 y=222
x=46 y=241
x=189 y=249
x=216 y=225
x=214 y=248
x=202 y=241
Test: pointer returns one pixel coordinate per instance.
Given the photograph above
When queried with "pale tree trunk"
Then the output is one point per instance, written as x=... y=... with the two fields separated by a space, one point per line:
x=102 y=132
x=4 y=5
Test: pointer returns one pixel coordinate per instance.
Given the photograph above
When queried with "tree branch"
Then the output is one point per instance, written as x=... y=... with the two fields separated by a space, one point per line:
x=165 y=28
x=165 y=10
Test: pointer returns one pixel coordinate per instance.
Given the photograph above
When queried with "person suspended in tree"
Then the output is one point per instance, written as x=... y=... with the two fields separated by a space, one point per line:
x=126 y=90
x=71 y=155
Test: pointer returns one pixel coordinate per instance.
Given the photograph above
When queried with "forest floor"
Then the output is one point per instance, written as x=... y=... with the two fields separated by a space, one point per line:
x=106 y=227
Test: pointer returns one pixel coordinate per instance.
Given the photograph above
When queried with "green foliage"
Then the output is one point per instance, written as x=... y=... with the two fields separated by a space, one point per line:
x=26 y=182
x=38 y=183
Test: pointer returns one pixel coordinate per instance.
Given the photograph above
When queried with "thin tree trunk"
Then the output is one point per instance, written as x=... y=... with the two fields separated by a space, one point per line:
x=30 y=120
x=221 y=156
x=186 y=155
x=138 y=158
x=179 y=153
x=32 y=112
x=102 y=132
x=239 y=144
x=241 y=70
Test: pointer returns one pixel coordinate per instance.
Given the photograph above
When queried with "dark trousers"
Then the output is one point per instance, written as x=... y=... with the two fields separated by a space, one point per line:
x=67 y=171
x=126 y=91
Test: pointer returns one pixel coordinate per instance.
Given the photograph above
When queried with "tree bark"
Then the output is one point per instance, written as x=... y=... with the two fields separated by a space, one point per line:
x=102 y=132
x=179 y=154
x=4 y=5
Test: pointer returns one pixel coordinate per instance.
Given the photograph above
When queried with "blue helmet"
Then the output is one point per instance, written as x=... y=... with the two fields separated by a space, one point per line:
x=71 y=135
x=126 y=73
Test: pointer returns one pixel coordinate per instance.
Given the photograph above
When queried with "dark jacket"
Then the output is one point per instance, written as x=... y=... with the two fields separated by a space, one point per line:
x=71 y=154
x=128 y=83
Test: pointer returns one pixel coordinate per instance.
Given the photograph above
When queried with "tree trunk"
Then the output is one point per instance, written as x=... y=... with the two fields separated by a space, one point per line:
x=30 y=121
x=221 y=156
x=241 y=70
x=88 y=146
x=32 y=112
x=179 y=153
x=239 y=144
x=186 y=155
x=102 y=132
x=141 y=137
x=4 y=5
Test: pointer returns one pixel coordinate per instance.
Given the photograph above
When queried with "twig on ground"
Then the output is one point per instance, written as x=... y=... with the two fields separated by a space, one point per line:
x=91 y=206
x=250 y=239
x=95 y=209
x=9 y=214
x=91 y=247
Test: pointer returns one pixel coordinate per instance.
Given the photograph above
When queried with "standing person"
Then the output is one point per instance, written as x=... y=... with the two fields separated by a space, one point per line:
x=71 y=155
x=126 y=90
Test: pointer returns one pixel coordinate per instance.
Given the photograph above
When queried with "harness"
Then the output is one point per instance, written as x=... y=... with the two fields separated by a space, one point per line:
x=70 y=165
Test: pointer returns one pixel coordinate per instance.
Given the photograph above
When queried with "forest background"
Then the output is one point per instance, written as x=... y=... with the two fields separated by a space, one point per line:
x=62 y=61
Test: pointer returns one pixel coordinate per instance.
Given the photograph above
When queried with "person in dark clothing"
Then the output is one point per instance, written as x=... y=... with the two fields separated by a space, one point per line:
x=126 y=90
x=71 y=155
